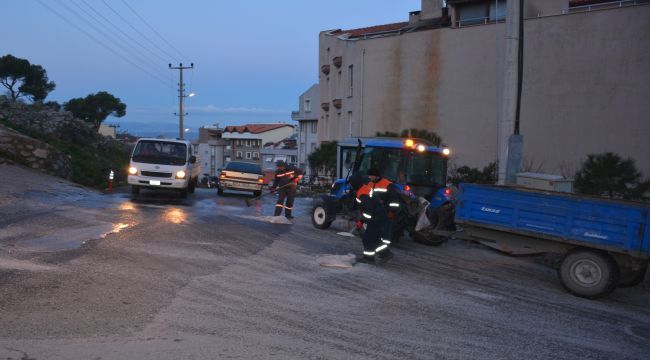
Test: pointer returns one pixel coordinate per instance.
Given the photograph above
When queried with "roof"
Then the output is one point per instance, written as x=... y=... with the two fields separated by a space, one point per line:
x=254 y=128
x=382 y=142
x=371 y=30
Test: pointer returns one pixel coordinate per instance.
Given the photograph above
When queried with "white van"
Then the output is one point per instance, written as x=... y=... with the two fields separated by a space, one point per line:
x=163 y=164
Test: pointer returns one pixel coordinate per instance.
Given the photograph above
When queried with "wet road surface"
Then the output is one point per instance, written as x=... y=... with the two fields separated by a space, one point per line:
x=199 y=278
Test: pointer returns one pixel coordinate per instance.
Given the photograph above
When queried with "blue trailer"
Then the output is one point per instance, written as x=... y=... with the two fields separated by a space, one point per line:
x=605 y=243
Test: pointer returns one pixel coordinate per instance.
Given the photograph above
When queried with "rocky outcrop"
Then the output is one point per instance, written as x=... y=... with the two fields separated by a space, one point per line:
x=48 y=121
x=15 y=147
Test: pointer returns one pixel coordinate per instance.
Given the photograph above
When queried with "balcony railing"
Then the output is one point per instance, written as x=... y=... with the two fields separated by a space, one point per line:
x=604 y=5
x=295 y=115
x=480 y=21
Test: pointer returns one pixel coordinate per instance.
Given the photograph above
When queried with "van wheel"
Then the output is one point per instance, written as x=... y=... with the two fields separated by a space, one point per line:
x=135 y=190
x=192 y=186
x=588 y=273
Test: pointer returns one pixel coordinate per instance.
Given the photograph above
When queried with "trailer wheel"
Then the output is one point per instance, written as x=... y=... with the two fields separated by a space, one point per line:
x=319 y=217
x=589 y=274
x=629 y=277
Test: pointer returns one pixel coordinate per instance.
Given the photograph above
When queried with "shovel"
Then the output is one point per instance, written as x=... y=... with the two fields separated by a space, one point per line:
x=250 y=201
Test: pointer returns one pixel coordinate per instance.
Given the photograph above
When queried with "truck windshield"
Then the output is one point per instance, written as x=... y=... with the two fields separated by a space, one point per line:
x=404 y=167
x=160 y=152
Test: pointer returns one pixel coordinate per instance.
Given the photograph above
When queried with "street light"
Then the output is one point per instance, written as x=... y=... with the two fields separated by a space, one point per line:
x=191 y=94
x=187 y=129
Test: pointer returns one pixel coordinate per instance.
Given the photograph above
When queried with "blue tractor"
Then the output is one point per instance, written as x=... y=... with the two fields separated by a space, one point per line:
x=417 y=168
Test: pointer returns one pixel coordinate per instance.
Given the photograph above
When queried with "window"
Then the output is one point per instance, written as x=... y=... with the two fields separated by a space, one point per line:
x=314 y=127
x=350 y=80
x=248 y=154
x=239 y=154
x=498 y=10
x=248 y=143
x=313 y=147
x=256 y=155
x=481 y=13
x=307 y=105
x=350 y=122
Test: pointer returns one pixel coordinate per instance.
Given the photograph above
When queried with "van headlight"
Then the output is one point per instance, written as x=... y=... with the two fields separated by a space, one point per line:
x=180 y=174
x=133 y=170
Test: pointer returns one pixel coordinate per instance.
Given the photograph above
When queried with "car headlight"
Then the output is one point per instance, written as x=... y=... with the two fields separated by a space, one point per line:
x=133 y=170
x=180 y=174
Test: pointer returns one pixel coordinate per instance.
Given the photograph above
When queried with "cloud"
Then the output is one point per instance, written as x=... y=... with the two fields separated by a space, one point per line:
x=211 y=109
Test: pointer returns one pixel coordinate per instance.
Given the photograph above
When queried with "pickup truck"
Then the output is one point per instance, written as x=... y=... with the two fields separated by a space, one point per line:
x=605 y=243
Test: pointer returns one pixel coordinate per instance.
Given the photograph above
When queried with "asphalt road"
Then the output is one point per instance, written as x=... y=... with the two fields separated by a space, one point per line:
x=201 y=279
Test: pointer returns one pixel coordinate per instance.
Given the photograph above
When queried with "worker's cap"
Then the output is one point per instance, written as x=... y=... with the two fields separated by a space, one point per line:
x=280 y=163
x=374 y=172
x=356 y=182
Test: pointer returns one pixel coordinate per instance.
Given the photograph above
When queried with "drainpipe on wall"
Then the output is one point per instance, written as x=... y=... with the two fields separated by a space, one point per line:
x=363 y=80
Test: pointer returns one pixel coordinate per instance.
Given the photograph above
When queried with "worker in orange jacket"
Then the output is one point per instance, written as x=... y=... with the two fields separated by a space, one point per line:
x=374 y=216
x=387 y=193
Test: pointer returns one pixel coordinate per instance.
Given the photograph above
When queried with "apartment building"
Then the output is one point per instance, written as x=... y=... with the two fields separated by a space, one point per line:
x=585 y=79
x=245 y=142
x=307 y=117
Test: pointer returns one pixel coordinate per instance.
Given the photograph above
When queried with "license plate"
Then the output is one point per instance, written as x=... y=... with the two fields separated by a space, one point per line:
x=154 y=182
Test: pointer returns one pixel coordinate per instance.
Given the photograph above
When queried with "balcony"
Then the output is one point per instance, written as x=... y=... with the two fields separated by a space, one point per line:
x=325 y=69
x=295 y=115
x=337 y=103
x=325 y=106
x=337 y=61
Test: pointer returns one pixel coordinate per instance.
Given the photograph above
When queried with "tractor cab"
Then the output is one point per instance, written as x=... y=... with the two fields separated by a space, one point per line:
x=417 y=168
x=414 y=166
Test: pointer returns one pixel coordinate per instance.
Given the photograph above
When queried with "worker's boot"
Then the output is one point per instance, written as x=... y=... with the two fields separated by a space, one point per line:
x=384 y=256
x=365 y=259
x=278 y=210
x=287 y=213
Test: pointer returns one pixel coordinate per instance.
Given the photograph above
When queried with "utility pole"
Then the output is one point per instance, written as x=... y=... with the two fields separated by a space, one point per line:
x=181 y=96
x=510 y=141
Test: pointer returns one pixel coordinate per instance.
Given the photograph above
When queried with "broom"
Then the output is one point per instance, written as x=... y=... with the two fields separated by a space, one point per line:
x=250 y=201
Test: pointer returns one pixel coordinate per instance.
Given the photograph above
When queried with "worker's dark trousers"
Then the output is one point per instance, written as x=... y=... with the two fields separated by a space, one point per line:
x=287 y=193
x=398 y=225
x=372 y=238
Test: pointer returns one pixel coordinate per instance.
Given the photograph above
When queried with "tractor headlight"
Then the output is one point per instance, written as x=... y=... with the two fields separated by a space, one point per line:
x=133 y=170
x=180 y=174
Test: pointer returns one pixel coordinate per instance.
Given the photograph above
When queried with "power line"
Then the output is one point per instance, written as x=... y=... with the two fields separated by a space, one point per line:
x=100 y=42
x=144 y=59
x=152 y=29
x=139 y=32
x=123 y=33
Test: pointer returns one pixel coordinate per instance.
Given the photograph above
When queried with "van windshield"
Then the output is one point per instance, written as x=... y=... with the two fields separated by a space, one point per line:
x=160 y=152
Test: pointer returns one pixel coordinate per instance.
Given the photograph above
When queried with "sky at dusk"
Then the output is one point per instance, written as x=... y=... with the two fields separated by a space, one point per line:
x=252 y=58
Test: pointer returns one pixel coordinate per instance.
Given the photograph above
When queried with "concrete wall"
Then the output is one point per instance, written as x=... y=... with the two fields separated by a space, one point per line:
x=586 y=82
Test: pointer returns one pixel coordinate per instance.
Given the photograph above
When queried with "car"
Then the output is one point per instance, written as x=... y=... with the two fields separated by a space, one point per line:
x=241 y=176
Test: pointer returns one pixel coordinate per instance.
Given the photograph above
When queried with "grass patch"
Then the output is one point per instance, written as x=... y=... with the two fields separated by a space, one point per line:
x=91 y=160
